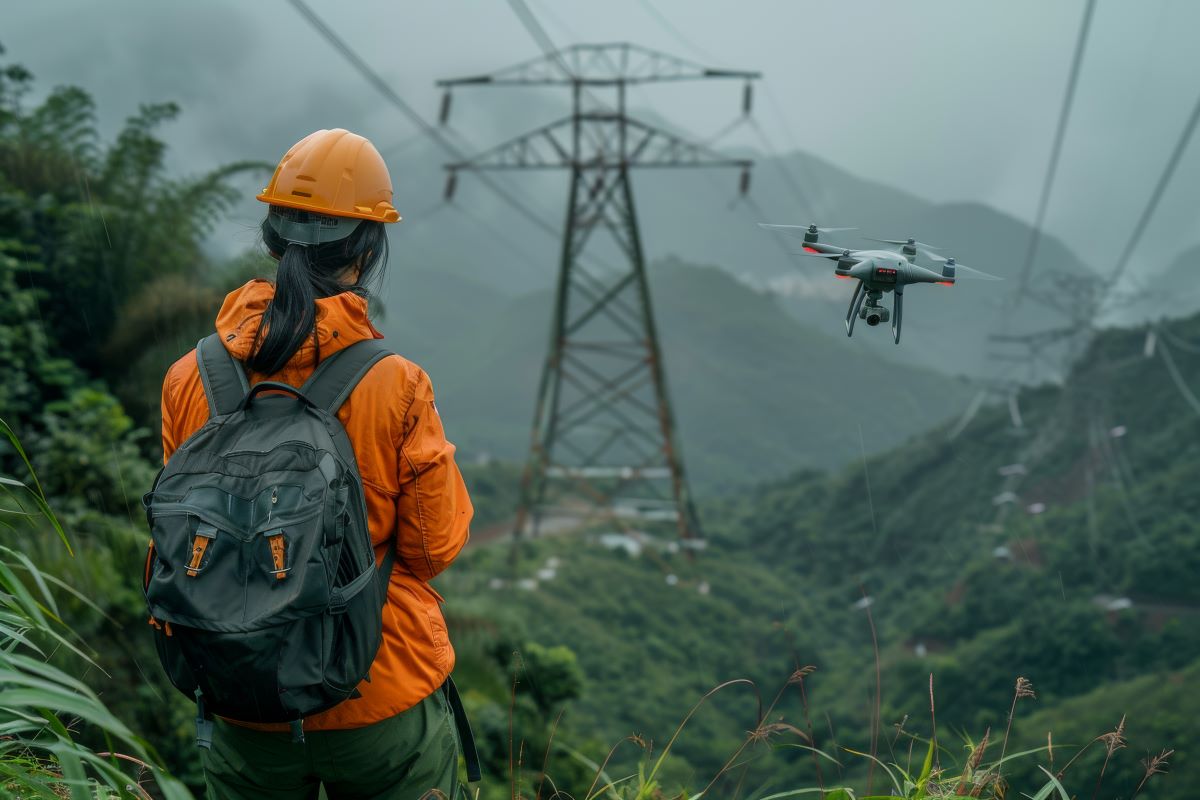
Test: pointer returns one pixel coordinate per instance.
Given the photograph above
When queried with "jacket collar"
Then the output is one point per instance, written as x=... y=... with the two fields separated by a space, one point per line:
x=341 y=321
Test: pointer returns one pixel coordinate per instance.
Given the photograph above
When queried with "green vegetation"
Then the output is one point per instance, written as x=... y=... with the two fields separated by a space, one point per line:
x=1090 y=599
x=93 y=234
x=40 y=704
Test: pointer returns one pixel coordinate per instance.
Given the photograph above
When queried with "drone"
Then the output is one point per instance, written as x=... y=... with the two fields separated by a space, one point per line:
x=879 y=271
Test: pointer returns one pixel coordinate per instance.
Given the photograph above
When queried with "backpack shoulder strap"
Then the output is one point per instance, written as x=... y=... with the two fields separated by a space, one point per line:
x=224 y=379
x=336 y=376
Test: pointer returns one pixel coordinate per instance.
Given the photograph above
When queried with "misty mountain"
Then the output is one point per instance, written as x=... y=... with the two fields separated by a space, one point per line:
x=945 y=328
x=757 y=394
x=697 y=216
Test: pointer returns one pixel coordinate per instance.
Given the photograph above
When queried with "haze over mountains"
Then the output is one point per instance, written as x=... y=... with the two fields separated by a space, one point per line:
x=757 y=394
x=697 y=216
x=763 y=377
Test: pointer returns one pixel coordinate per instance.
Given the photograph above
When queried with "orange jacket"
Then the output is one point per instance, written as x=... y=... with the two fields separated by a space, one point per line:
x=416 y=498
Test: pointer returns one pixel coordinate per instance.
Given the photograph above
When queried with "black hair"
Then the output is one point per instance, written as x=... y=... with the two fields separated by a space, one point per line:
x=306 y=273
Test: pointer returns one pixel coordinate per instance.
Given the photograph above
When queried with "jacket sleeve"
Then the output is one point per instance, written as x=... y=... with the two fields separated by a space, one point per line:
x=433 y=510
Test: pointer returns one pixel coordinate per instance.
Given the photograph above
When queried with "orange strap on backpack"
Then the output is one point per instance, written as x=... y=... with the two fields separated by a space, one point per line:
x=278 y=554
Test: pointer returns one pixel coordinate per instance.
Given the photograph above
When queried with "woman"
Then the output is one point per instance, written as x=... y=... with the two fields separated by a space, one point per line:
x=329 y=199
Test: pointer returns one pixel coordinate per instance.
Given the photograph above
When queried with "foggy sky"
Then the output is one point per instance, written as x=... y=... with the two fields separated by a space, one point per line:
x=951 y=99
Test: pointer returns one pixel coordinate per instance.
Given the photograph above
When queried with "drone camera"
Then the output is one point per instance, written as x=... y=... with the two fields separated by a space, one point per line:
x=873 y=315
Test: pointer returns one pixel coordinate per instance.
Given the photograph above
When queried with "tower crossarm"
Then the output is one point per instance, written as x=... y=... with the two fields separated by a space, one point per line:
x=604 y=64
x=654 y=147
x=549 y=147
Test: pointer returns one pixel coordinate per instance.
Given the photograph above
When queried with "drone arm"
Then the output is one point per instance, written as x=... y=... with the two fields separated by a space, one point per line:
x=855 y=302
x=825 y=249
x=919 y=274
x=897 y=311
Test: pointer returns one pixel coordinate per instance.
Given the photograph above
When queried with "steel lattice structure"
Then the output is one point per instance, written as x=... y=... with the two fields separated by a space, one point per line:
x=604 y=443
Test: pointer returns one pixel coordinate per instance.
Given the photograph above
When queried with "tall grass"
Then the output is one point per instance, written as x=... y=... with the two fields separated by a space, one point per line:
x=975 y=777
x=43 y=708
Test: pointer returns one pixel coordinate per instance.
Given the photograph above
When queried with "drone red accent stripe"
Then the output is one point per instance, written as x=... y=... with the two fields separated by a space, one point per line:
x=945 y=283
x=808 y=249
x=842 y=277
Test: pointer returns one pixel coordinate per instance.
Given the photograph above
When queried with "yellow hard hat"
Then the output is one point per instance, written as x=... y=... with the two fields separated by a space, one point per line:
x=336 y=173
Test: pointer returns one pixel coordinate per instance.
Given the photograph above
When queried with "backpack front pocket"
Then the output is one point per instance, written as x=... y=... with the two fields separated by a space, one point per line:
x=227 y=563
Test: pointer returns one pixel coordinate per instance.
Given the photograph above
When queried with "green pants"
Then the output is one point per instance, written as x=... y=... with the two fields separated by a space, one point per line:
x=411 y=756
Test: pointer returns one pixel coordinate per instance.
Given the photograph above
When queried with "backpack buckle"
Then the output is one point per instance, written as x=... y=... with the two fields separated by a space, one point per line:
x=278 y=546
x=337 y=603
x=205 y=533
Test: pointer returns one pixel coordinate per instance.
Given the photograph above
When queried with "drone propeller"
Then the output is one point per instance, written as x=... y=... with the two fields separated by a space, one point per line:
x=801 y=229
x=909 y=241
x=977 y=274
x=839 y=256
x=971 y=272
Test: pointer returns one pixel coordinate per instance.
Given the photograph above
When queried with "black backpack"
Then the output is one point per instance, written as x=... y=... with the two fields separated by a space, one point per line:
x=261 y=578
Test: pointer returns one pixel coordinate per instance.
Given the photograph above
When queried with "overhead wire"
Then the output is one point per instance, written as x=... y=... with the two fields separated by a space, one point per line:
x=725 y=130
x=497 y=233
x=1108 y=454
x=676 y=34
x=1164 y=332
x=428 y=129
x=1043 y=204
x=800 y=195
x=784 y=168
x=1048 y=183
x=1159 y=189
x=817 y=208
x=746 y=201
x=548 y=12
x=1064 y=116
x=530 y=22
x=1177 y=377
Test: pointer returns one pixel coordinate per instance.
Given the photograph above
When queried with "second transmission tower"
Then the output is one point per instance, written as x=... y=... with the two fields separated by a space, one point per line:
x=604 y=443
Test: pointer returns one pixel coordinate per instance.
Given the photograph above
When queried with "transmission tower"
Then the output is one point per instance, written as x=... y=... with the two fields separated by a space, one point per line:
x=604 y=444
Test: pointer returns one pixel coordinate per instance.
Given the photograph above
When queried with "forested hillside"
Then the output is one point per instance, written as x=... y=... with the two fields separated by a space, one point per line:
x=102 y=275
x=1074 y=571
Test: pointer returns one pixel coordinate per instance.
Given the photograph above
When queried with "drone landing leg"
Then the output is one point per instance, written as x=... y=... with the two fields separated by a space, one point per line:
x=855 y=303
x=897 y=310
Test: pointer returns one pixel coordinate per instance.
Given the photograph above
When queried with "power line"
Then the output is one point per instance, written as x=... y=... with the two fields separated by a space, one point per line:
x=1177 y=377
x=676 y=34
x=1159 y=190
x=547 y=11
x=1059 y=135
x=498 y=234
x=429 y=130
x=793 y=140
x=535 y=29
x=784 y=169
x=785 y=172
x=725 y=130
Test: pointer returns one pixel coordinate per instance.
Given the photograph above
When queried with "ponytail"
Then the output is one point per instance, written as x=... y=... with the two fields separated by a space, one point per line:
x=307 y=273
